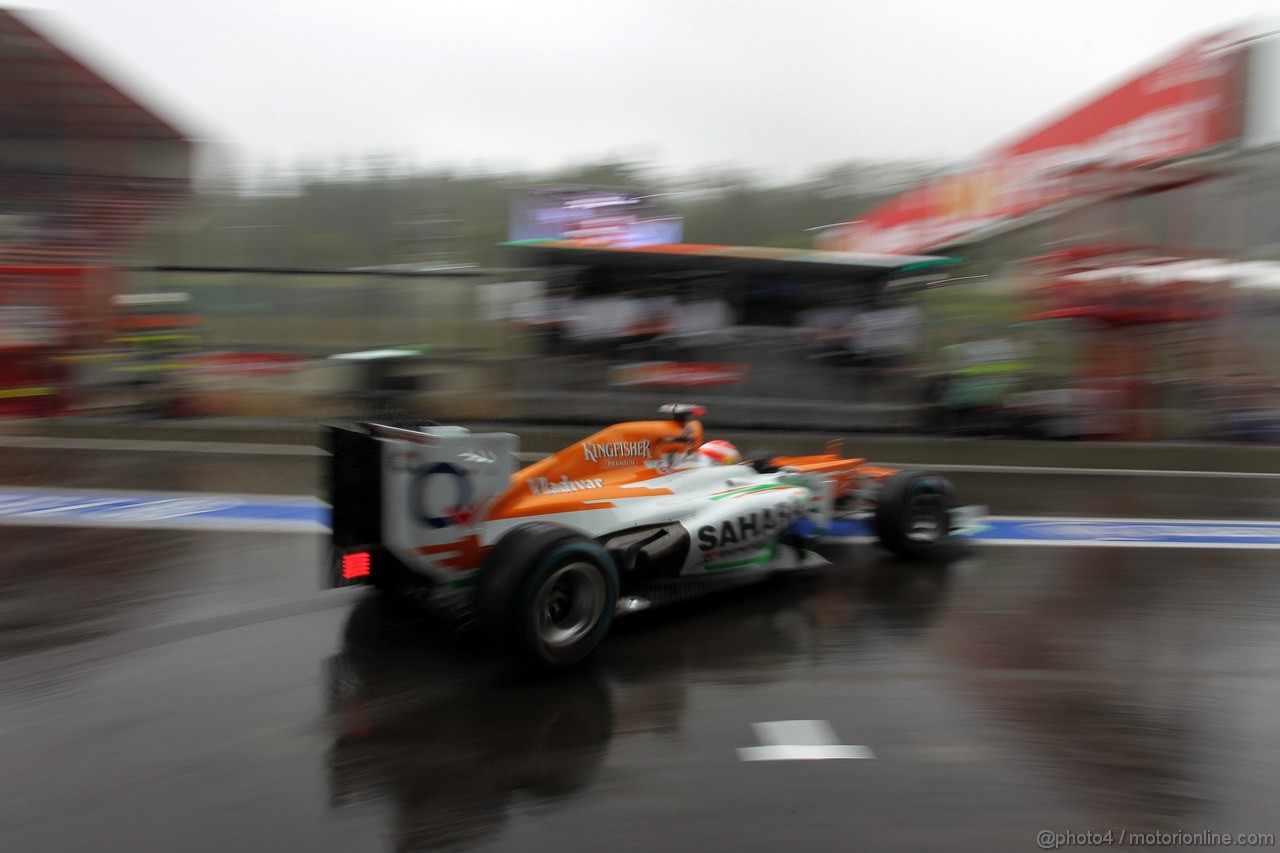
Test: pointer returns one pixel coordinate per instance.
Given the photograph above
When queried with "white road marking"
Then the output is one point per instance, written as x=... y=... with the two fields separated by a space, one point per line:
x=1114 y=543
x=799 y=740
x=1079 y=543
x=188 y=523
x=1091 y=519
x=1102 y=532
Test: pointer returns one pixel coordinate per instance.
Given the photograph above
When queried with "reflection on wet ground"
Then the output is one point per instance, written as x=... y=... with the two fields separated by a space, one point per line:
x=1092 y=710
x=453 y=755
x=66 y=585
x=1113 y=670
x=191 y=691
x=465 y=751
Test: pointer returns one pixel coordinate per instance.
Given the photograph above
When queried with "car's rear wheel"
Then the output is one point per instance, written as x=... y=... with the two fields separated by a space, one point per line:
x=913 y=514
x=548 y=594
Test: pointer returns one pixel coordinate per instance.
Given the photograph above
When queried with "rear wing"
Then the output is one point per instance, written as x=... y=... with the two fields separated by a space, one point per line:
x=353 y=486
x=410 y=491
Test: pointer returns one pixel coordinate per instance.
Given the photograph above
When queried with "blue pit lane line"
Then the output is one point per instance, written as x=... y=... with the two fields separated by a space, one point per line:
x=1101 y=532
x=162 y=510
x=259 y=514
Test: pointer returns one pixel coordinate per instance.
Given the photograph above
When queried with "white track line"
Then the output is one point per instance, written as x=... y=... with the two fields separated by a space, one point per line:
x=1125 y=543
x=1081 y=543
x=802 y=753
x=206 y=526
x=799 y=740
x=1059 y=519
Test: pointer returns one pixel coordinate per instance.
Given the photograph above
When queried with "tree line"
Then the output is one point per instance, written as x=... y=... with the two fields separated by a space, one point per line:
x=377 y=213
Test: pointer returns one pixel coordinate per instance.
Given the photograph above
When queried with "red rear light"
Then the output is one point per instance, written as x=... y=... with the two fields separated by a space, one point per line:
x=355 y=565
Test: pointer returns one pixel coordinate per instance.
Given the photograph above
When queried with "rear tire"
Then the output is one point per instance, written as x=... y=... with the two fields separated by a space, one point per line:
x=547 y=594
x=913 y=514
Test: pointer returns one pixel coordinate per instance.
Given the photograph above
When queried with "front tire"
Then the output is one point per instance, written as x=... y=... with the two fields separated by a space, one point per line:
x=548 y=595
x=913 y=514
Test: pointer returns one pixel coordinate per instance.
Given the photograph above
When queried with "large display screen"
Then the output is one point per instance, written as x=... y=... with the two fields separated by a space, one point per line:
x=599 y=216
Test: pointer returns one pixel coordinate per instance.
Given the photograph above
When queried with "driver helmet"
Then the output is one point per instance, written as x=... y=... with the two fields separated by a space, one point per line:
x=720 y=453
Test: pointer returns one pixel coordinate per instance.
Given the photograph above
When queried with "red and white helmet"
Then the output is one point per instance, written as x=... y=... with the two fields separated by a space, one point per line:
x=720 y=453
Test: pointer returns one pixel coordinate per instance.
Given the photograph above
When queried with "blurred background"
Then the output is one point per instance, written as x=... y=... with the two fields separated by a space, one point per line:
x=241 y=228
x=224 y=222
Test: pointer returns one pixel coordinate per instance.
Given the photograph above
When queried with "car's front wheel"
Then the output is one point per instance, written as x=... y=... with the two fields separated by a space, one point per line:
x=548 y=594
x=913 y=514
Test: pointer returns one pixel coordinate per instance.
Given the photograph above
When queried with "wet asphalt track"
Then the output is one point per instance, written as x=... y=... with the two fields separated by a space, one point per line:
x=166 y=690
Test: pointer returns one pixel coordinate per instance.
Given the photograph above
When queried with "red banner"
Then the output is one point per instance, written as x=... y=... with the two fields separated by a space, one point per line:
x=679 y=374
x=1187 y=104
x=247 y=362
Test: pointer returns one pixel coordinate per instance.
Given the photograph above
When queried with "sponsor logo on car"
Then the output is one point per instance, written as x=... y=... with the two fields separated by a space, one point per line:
x=743 y=529
x=460 y=512
x=616 y=453
x=545 y=486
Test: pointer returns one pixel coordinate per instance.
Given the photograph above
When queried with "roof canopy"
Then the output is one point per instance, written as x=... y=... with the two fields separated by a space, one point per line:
x=695 y=257
x=45 y=93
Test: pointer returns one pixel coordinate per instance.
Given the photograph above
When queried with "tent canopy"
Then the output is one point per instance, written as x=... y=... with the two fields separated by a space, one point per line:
x=711 y=259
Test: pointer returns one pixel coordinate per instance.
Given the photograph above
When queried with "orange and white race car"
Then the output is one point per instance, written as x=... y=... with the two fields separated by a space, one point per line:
x=637 y=514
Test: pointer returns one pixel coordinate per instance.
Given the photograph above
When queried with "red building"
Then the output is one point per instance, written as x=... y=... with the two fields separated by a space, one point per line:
x=83 y=167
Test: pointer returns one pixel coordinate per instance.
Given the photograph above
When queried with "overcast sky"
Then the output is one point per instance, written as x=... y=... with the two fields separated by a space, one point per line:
x=774 y=86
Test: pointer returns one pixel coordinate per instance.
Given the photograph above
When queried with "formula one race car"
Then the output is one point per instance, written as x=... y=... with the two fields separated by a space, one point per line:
x=640 y=513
